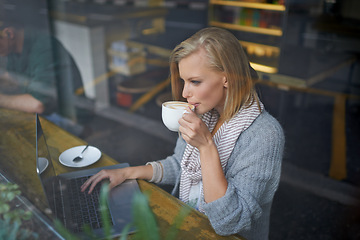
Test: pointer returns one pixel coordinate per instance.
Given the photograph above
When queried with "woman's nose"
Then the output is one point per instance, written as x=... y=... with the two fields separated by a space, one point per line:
x=185 y=92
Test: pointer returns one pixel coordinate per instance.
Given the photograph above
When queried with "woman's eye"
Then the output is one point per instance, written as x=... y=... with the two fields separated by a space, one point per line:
x=195 y=82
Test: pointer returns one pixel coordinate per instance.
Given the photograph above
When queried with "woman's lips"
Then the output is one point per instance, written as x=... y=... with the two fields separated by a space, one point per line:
x=194 y=104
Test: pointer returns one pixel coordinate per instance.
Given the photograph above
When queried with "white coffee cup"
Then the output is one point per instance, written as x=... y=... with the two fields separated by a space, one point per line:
x=172 y=111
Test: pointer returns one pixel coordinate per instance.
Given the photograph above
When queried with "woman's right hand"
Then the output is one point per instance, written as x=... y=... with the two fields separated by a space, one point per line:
x=118 y=176
x=115 y=176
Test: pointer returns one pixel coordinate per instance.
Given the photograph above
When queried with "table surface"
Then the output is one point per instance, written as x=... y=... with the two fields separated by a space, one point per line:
x=18 y=164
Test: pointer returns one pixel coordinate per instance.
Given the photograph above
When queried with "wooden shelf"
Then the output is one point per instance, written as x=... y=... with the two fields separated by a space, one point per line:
x=272 y=48
x=263 y=58
x=264 y=6
x=266 y=31
x=263 y=68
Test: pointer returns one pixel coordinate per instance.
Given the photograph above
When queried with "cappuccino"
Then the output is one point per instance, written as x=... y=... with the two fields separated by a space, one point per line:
x=177 y=105
x=172 y=112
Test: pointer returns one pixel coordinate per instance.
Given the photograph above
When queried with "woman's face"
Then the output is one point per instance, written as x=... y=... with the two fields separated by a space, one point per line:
x=203 y=87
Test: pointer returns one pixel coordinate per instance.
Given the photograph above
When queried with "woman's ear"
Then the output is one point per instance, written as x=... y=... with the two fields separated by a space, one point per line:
x=225 y=82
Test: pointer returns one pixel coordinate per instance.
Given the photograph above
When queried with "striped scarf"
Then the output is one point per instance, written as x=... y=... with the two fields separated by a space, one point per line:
x=225 y=139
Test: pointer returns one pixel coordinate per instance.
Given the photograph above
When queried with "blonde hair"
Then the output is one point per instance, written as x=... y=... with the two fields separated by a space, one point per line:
x=225 y=55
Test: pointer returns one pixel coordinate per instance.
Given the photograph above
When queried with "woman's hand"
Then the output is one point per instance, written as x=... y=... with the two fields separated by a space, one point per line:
x=118 y=176
x=115 y=176
x=194 y=131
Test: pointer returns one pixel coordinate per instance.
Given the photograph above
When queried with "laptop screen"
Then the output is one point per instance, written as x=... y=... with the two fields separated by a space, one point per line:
x=45 y=169
x=44 y=165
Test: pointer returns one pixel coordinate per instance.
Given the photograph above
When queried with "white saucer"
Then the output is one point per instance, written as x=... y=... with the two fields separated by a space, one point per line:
x=90 y=156
x=42 y=164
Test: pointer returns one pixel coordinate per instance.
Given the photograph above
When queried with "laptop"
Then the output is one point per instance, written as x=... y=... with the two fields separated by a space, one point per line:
x=74 y=208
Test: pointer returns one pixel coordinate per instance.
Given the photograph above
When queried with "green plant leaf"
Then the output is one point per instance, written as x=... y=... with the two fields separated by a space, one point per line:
x=4 y=208
x=125 y=232
x=15 y=228
x=179 y=219
x=27 y=215
x=89 y=232
x=64 y=232
x=11 y=220
x=144 y=219
x=105 y=218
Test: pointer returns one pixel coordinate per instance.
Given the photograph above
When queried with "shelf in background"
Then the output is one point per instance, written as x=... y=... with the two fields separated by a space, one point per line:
x=267 y=31
x=263 y=46
x=262 y=57
x=194 y=5
x=265 y=6
x=263 y=68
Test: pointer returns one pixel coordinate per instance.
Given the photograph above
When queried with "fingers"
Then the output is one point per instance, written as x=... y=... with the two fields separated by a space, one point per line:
x=188 y=119
x=191 y=121
x=189 y=112
x=93 y=181
x=193 y=130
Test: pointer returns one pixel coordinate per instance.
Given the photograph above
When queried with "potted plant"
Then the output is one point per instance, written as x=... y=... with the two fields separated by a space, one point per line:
x=11 y=220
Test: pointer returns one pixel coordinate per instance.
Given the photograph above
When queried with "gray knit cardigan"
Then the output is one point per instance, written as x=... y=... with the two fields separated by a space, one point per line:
x=253 y=174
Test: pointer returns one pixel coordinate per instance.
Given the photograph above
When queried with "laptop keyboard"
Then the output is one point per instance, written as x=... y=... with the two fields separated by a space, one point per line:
x=84 y=207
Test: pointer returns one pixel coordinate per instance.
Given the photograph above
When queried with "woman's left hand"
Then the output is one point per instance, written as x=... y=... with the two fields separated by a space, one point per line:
x=193 y=130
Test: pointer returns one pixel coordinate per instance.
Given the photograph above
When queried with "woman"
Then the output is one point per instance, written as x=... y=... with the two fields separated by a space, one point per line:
x=227 y=161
